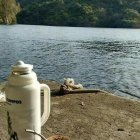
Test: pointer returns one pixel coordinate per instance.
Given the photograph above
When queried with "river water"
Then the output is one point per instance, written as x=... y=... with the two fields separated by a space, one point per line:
x=102 y=58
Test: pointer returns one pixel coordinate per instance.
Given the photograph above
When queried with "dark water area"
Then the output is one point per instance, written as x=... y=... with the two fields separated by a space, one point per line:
x=102 y=58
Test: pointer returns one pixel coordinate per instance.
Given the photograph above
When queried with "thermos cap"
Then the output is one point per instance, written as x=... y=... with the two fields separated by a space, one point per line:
x=21 y=67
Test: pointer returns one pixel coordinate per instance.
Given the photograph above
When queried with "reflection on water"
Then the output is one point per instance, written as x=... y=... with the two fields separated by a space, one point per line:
x=96 y=57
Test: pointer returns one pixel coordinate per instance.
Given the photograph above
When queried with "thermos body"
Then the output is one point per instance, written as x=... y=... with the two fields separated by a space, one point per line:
x=24 y=111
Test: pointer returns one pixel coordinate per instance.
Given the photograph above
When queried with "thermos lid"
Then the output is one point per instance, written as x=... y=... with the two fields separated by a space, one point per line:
x=21 y=67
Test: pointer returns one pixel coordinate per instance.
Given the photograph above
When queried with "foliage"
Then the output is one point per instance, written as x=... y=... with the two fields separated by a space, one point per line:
x=101 y=13
x=8 y=11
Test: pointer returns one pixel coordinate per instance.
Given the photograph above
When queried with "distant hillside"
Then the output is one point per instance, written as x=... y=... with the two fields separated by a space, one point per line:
x=100 y=13
x=8 y=11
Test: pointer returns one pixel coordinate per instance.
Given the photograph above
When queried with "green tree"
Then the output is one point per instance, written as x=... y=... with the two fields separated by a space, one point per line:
x=8 y=11
x=131 y=18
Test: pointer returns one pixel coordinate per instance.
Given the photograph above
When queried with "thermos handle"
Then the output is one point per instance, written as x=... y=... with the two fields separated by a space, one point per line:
x=46 y=112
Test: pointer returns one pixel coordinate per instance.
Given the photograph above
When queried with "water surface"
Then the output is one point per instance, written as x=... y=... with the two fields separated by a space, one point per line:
x=102 y=58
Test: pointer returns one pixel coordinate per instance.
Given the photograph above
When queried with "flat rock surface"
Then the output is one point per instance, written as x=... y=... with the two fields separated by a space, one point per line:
x=88 y=116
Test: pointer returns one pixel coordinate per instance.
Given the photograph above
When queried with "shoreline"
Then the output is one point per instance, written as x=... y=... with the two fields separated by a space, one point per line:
x=88 y=116
x=73 y=26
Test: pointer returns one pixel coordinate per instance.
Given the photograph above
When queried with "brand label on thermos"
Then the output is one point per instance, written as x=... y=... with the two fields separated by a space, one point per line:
x=14 y=101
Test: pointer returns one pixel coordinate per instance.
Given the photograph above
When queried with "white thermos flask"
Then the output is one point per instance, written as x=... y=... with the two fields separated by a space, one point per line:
x=24 y=102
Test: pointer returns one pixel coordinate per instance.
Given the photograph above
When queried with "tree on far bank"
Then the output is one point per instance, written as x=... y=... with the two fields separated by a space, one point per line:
x=8 y=11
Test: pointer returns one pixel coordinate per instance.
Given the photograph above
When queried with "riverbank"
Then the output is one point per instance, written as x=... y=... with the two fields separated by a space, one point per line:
x=88 y=116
